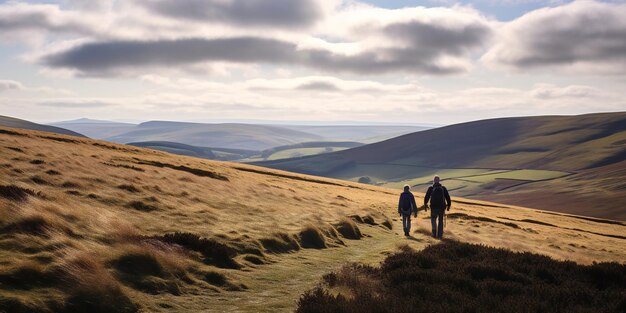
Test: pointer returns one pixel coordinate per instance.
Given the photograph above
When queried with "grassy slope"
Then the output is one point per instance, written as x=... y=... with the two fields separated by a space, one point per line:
x=577 y=144
x=6 y=121
x=95 y=229
x=236 y=136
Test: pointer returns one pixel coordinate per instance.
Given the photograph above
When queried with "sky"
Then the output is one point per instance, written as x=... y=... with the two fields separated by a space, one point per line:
x=392 y=61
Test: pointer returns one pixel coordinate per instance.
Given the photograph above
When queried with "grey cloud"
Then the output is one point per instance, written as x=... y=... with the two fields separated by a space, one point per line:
x=318 y=86
x=6 y=85
x=437 y=39
x=20 y=17
x=279 y=13
x=110 y=57
x=584 y=32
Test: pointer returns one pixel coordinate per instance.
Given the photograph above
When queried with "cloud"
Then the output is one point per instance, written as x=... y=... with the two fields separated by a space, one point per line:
x=584 y=36
x=111 y=57
x=75 y=103
x=273 y=13
x=318 y=86
x=20 y=17
x=548 y=92
x=6 y=85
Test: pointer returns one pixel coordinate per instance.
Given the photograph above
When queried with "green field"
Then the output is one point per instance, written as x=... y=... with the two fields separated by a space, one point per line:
x=467 y=181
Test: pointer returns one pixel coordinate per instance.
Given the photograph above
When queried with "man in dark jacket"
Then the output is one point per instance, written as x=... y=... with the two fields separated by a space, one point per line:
x=406 y=206
x=439 y=202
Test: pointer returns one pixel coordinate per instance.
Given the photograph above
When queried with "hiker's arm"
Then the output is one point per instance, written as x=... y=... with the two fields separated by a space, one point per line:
x=427 y=197
x=447 y=195
x=413 y=204
x=400 y=204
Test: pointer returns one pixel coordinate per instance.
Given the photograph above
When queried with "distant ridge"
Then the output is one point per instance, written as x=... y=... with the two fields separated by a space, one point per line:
x=573 y=164
x=7 y=121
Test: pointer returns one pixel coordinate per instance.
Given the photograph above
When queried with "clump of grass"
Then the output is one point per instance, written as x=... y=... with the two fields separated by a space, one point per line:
x=147 y=270
x=70 y=184
x=460 y=277
x=16 y=149
x=312 y=237
x=214 y=252
x=130 y=167
x=280 y=243
x=37 y=162
x=141 y=206
x=27 y=276
x=73 y=192
x=34 y=225
x=39 y=181
x=93 y=288
x=53 y=173
x=481 y=218
x=194 y=171
x=15 y=193
x=348 y=229
x=254 y=259
x=129 y=188
x=12 y=133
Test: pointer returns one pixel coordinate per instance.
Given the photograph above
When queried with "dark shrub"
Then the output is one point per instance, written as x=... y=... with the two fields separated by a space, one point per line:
x=460 y=277
x=365 y=180
x=37 y=162
x=53 y=173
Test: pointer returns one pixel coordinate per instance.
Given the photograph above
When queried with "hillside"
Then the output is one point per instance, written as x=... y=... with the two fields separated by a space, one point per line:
x=510 y=160
x=87 y=225
x=233 y=136
x=223 y=154
x=360 y=133
x=6 y=121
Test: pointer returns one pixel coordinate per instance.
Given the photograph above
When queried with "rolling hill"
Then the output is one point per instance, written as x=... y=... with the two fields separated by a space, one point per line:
x=91 y=226
x=223 y=154
x=97 y=129
x=6 y=121
x=234 y=136
x=563 y=163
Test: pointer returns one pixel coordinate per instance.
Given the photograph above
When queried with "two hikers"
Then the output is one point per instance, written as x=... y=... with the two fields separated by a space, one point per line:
x=439 y=202
x=406 y=206
x=439 y=199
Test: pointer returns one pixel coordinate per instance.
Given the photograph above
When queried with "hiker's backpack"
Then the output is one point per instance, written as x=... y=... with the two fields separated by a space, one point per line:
x=437 y=198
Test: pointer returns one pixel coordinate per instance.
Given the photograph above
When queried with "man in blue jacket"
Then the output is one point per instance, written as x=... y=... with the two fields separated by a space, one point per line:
x=439 y=202
x=406 y=206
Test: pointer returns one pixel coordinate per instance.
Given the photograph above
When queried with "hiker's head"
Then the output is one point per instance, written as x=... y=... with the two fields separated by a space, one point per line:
x=407 y=187
x=436 y=179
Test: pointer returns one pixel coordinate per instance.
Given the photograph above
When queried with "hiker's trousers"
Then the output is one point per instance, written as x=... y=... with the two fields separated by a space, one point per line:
x=406 y=222
x=436 y=215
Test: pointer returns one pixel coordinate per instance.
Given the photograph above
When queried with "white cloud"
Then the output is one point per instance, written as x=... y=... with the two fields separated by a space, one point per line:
x=6 y=85
x=584 y=36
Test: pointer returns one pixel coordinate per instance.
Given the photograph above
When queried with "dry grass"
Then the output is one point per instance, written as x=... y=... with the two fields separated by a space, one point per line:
x=213 y=241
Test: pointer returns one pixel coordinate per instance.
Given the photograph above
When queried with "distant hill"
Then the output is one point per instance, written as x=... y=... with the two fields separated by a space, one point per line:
x=485 y=158
x=6 y=121
x=234 y=136
x=223 y=154
x=97 y=129
x=360 y=133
